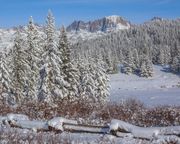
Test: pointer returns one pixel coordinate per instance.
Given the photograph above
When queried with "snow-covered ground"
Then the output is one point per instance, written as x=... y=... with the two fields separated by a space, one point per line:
x=161 y=89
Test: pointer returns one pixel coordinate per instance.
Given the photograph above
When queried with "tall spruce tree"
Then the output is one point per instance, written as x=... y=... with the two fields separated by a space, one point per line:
x=128 y=64
x=19 y=70
x=87 y=75
x=33 y=58
x=175 y=66
x=136 y=60
x=146 y=67
x=167 y=55
x=4 y=78
x=161 y=57
x=68 y=68
x=101 y=83
x=51 y=78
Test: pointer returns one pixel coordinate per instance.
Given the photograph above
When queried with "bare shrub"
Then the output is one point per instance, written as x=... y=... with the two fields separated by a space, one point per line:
x=131 y=111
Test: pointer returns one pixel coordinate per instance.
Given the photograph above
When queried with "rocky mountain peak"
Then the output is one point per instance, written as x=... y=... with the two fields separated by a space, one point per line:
x=106 y=24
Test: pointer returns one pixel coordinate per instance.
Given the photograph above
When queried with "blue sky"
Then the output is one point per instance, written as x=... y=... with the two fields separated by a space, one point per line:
x=17 y=12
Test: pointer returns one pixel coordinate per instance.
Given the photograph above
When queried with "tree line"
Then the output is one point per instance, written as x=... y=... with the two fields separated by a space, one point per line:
x=137 y=48
x=41 y=68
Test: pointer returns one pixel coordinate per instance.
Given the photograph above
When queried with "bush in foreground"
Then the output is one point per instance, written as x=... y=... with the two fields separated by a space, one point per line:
x=131 y=111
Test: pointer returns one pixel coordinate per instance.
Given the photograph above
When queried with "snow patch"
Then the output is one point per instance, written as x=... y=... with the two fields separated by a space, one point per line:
x=113 y=18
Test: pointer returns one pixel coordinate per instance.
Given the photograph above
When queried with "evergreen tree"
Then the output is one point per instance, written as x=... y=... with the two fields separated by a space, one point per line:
x=4 y=78
x=115 y=63
x=101 y=83
x=50 y=81
x=86 y=81
x=161 y=57
x=167 y=55
x=69 y=71
x=136 y=60
x=121 y=57
x=19 y=70
x=33 y=51
x=94 y=82
x=128 y=64
x=146 y=67
x=175 y=66
x=109 y=63
x=149 y=67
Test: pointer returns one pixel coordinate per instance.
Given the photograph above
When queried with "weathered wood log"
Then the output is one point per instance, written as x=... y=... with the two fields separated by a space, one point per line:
x=122 y=134
x=58 y=122
x=142 y=132
x=86 y=128
x=32 y=125
x=44 y=126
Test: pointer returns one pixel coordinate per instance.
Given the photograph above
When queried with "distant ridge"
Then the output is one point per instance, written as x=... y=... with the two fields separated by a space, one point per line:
x=106 y=24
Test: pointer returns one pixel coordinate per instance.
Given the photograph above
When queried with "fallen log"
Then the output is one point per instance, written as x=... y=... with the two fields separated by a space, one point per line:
x=86 y=128
x=32 y=125
x=116 y=127
x=58 y=122
x=70 y=127
x=142 y=132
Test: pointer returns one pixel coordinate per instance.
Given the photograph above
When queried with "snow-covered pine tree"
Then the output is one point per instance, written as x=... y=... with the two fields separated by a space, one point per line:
x=115 y=63
x=101 y=82
x=149 y=67
x=161 y=57
x=121 y=57
x=109 y=63
x=86 y=81
x=68 y=68
x=50 y=83
x=128 y=64
x=167 y=55
x=136 y=60
x=19 y=70
x=175 y=66
x=33 y=58
x=4 y=78
x=146 y=67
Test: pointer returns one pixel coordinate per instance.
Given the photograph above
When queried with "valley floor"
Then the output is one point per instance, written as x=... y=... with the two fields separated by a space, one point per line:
x=162 y=89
